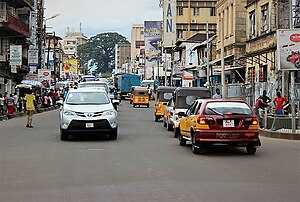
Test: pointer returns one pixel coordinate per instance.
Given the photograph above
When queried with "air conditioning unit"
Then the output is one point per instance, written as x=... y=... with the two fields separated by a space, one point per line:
x=194 y=21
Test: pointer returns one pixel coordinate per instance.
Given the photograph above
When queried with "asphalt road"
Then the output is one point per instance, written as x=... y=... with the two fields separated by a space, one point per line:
x=144 y=164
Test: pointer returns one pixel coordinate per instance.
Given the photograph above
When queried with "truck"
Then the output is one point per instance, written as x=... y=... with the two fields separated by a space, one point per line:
x=125 y=82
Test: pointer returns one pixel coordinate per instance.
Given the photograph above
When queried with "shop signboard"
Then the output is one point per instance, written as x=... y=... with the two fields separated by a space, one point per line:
x=288 y=49
x=15 y=55
x=44 y=75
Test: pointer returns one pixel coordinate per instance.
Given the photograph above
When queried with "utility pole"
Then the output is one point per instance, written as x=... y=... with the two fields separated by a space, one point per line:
x=292 y=79
x=207 y=53
x=222 y=60
x=40 y=30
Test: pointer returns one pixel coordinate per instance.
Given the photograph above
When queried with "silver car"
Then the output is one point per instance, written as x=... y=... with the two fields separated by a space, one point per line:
x=88 y=110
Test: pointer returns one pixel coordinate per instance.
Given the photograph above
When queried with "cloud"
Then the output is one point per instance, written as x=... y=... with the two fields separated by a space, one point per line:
x=99 y=16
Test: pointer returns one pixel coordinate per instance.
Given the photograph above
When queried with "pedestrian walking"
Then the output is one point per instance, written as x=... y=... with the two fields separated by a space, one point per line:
x=218 y=94
x=10 y=103
x=30 y=107
x=279 y=101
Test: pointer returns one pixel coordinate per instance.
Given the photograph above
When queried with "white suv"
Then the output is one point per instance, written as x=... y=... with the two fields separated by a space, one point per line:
x=88 y=110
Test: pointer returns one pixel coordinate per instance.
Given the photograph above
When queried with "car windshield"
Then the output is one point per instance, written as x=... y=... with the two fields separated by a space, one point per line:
x=232 y=108
x=87 y=98
x=184 y=102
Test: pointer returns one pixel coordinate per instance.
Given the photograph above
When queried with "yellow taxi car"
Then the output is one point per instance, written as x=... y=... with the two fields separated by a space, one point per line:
x=219 y=122
x=163 y=95
x=140 y=96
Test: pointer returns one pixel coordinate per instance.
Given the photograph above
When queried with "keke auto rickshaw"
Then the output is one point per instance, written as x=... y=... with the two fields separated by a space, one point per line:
x=182 y=99
x=163 y=95
x=131 y=94
x=140 y=96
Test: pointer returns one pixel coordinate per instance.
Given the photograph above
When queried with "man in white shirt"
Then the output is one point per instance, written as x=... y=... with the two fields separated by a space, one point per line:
x=217 y=95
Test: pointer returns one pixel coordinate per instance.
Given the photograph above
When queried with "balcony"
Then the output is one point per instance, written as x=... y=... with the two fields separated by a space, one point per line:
x=10 y=25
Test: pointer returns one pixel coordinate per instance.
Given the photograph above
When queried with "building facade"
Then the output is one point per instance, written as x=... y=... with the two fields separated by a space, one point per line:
x=264 y=18
x=137 y=61
x=122 y=58
x=71 y=41
x=14 y=30
x=231 y=25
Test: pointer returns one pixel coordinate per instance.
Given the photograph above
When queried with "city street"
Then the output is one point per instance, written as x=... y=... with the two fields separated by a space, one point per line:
x=145 y=163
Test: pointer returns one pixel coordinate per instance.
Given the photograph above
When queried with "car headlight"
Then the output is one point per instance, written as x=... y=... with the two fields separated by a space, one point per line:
x=108 y=112
x=69 y=113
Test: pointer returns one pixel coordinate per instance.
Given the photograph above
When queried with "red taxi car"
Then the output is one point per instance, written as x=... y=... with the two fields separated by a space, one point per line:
x=219 y=121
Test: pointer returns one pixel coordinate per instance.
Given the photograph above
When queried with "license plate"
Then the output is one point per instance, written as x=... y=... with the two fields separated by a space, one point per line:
x=89 y=125
x=227 y=135
x=228 y=123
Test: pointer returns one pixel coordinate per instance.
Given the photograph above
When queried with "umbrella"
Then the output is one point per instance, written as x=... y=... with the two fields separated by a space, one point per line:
x=32 y=82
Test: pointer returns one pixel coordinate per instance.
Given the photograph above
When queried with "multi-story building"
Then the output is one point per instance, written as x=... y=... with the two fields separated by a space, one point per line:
x=122 y=58
x=231 y=20
x=264 y=17
x=71 y=41
x=137 y=49
x=14 y=30
x=183 y=22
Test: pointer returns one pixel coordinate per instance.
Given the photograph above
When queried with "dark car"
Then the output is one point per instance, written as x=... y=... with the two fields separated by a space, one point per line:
x=222 y=121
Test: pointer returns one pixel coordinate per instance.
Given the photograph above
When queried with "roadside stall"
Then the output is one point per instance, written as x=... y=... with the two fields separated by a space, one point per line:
x=23 y=88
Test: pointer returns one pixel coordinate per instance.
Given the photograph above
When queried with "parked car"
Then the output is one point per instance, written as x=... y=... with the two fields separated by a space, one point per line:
x=226 y=122
x=183 y=97
x=88 y=110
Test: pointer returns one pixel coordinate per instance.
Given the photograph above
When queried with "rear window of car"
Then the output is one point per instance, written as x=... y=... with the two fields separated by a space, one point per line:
x=184 y=102
x=233 y=108
x=93 y=85
x=87 y=98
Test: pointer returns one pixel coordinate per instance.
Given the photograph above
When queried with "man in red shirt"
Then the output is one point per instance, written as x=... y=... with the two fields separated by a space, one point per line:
x=259 y=104
x=279 y=101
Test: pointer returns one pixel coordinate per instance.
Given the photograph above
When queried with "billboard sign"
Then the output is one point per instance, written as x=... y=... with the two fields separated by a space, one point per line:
x=288 y=49
x=153 y=45
x=169 y=23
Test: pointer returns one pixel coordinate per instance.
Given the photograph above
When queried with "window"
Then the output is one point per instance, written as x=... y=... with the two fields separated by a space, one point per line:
x=213 y=11
x=179 y=10
x=263 y=73
x=142 y=32
x=252 y=24
x=265 y=18
x=179 y=34
x=251 y=74
x=196 y=11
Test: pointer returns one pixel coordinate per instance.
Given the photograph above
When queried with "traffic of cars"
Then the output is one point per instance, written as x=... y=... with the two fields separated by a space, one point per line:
x=189 y=112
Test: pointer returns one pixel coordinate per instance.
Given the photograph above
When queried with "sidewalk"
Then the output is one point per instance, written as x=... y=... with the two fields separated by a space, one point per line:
x=20 y=114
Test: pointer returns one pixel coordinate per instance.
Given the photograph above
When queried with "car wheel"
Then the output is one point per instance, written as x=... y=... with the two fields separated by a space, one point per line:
x=176 y=132
x=169 y=127
x=133 y=105
x=63 y=135
x=182 y=141
x=251 y=149
x=113 y=135
x=156 y=119
x=196 y=149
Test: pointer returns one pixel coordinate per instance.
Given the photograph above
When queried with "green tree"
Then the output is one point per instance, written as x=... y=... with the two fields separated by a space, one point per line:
x=101 y=50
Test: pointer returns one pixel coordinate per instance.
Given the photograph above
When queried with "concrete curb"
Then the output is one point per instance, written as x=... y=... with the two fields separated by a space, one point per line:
x=279 y=135
x=12 y=116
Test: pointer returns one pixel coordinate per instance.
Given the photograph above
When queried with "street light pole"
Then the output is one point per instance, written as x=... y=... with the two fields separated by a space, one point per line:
x=222 y=60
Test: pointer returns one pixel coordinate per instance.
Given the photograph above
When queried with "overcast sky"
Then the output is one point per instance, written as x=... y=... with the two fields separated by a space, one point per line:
x=99 y=16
